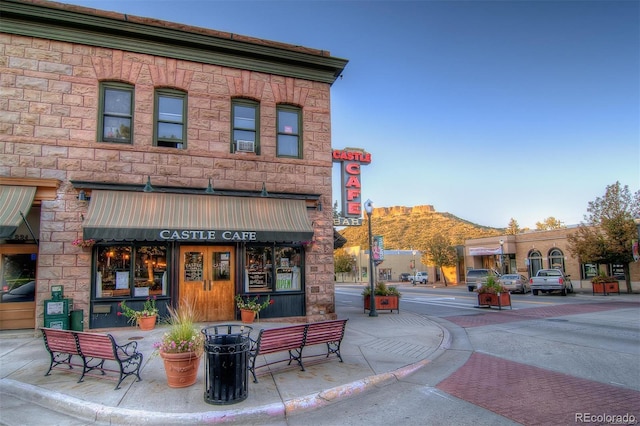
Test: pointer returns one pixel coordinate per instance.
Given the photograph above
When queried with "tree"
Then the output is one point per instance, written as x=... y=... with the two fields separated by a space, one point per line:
x=440 y=252
x=343 y=261
x=609 y=230
x=336 y=212
x=513 y=228
x=549 y=224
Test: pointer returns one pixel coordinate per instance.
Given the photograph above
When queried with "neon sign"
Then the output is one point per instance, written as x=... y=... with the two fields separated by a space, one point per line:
x=351 y=159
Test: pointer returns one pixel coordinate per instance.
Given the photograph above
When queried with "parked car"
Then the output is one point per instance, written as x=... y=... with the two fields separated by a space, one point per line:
x=548 y=280
x=475 y=277
x=420 y=277
x=24 y=293
x=515 y=282
x=405 y=277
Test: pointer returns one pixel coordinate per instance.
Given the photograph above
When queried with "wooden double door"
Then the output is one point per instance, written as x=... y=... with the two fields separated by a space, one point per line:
x=207 y=279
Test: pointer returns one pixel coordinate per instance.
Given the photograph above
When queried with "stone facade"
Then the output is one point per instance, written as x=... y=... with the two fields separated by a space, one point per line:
x=49 y=92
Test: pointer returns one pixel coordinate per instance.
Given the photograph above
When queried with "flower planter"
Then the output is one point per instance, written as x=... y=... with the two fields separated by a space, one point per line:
x=495 y=299
x=382 y=303
x=606 y=288
x=147 y=323
x=247 y=316
x=181 y=368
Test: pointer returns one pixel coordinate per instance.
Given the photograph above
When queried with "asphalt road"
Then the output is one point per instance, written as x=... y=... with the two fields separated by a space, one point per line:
x=547 y=361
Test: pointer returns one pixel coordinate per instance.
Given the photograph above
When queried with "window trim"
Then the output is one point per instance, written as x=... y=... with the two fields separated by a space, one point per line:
x=169 y=93
x=103 y=87
x=249 y=104
x=298 y=111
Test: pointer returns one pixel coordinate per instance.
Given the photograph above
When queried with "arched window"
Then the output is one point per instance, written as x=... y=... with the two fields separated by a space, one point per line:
x=556 y=259
x=535 y=262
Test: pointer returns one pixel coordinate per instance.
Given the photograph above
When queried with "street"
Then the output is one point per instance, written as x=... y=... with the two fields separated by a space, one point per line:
x=549 y=360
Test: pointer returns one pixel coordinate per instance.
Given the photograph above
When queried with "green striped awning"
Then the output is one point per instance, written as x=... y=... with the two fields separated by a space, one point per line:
x=13 y=201
x=121 y=215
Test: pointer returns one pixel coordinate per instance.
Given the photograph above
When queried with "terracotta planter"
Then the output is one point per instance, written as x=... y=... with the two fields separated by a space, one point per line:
x=383 y=303
x=147 y=323
x=181 y=369
x=247 y=316
x=495 y=299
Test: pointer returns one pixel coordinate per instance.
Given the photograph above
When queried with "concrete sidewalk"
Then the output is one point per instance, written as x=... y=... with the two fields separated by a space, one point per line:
x=376 y=351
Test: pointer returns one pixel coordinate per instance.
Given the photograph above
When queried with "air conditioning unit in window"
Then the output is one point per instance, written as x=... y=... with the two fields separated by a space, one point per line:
x=245 y=146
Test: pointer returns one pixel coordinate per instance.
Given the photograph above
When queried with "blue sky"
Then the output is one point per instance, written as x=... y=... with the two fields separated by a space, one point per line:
x=488 y=110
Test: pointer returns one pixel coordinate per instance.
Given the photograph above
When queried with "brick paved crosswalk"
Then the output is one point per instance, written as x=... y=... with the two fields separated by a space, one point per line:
x=534 y=396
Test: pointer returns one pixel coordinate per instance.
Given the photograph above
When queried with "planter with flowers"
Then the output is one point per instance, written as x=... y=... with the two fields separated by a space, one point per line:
x=603 y=284
x=250 y=307
x=181 y=347
x=386 y=297
x=492 y=293
x=145 y=318
x=84 y=244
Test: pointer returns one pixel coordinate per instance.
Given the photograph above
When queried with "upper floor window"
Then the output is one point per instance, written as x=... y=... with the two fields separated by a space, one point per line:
x=289 y=122
x=170 y=129
x=115 y=113
x=245 y=126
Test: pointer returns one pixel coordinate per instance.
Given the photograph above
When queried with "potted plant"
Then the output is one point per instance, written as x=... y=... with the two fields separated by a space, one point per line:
x=604 y=284
x=144 y=318
x=386 y=297
x=182 y=346
x=492 y=293
x=250 y=307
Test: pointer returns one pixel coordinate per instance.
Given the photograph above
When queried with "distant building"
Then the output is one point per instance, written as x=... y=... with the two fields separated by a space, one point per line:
x=528 y=252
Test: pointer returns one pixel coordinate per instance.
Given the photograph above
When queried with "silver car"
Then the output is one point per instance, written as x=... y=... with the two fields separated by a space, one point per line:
x=515 y=282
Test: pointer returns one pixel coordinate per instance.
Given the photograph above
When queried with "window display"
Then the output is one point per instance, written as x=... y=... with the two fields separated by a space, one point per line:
x=266 y=266
x=131 y=271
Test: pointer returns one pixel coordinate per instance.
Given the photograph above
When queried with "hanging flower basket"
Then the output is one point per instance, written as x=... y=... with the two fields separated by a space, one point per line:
x=83 y=243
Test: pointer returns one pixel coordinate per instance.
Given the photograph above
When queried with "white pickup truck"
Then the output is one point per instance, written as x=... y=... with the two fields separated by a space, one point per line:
x=548 y=280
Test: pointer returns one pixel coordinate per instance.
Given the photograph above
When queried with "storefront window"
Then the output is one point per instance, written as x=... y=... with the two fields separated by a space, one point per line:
x=258 y=268
x=18 y=277
x=589 y=270
x=288 y=275
x=556 y=259
x=269 y=269
x=535 y=262
x=131 y=271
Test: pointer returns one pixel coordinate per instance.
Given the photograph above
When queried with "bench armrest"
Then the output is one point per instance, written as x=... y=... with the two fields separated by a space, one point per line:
x=129 y=348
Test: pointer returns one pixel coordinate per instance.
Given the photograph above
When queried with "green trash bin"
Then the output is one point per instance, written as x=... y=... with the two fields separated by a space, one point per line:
x=77 y=320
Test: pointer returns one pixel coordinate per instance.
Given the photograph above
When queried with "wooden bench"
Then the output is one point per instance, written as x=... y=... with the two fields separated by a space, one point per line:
x=272 y=340
x=94 y=349
x=293 y=339
x=329 y=332
x=62 y=347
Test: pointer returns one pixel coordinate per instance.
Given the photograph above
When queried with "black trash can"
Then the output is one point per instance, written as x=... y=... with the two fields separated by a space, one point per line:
x=226 y=365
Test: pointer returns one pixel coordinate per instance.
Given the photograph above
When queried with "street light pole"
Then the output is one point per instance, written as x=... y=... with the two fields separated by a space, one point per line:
x=368 y=207
x=413 y=279
x=501 y=257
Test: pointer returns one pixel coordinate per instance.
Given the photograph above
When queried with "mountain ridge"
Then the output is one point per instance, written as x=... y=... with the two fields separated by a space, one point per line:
x=406 y=228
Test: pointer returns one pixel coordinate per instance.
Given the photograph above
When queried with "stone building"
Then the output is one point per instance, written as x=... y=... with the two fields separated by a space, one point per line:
x=193 y=164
